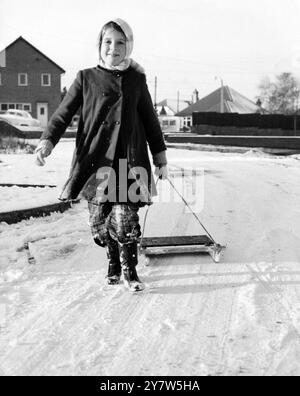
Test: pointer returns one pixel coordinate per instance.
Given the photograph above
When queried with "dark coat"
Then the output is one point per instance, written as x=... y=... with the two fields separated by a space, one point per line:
x=113 y=104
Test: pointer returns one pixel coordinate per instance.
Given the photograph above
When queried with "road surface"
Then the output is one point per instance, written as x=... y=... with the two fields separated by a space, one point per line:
x=239 y=317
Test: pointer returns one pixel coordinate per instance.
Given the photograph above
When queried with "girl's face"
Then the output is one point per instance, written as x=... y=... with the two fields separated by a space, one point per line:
x=113 y=47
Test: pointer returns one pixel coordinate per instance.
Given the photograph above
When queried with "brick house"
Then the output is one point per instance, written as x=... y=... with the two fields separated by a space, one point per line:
x=29 y=80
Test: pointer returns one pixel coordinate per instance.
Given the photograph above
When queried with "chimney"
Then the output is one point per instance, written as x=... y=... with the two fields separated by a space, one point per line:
x=195 y=96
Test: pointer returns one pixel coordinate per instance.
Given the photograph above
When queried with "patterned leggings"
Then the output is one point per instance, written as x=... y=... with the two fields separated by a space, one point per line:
x=114 y=220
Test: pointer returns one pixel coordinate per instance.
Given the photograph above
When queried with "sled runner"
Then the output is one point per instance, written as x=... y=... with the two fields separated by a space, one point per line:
x=154 y=246
x=181 y=244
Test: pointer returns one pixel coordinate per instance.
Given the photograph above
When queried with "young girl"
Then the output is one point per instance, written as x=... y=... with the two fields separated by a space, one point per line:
x=110 y=166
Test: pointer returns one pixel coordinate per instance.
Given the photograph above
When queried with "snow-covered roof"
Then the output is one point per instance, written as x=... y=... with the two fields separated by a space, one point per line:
x=171 y=106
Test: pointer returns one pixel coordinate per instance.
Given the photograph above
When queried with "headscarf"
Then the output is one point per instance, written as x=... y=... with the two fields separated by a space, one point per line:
x=127 y=61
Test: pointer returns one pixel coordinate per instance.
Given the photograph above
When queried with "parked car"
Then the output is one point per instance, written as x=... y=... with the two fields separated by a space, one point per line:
x=19 y=118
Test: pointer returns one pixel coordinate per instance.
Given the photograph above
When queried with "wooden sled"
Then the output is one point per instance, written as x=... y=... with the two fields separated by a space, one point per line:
x=154 y=246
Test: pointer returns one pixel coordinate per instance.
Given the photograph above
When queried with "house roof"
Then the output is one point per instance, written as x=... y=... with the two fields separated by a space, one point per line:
x=27 y=42
x=163 y=110
x=234 y=102
x=171 y=104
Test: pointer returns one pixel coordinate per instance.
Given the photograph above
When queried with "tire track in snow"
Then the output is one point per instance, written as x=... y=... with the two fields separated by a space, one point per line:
x=271 y=294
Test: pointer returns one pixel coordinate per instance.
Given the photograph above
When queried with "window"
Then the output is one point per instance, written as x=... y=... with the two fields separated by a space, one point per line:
x=165 y=122
x=22 y=79
x=27 y=107
x=46 y=80
x=17 y=106
x=172 y=122
x=0 y=79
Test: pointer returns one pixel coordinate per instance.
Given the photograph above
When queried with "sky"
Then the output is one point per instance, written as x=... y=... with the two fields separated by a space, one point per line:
x=185 y=44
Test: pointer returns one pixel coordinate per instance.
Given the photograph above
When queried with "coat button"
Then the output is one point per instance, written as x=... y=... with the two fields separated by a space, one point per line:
x=104 y=94
x=117 y=122
x=104 y=122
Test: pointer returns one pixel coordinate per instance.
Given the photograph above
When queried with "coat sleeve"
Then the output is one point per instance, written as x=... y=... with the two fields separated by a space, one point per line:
x=63 y=115
x=153 y=130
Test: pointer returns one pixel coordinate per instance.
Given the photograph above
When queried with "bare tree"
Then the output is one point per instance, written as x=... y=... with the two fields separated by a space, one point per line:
x=280 y=96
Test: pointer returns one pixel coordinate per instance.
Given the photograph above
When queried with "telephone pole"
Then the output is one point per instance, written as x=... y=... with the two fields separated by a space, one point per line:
x=296 y=110
x=155 y=92
x=222 y=94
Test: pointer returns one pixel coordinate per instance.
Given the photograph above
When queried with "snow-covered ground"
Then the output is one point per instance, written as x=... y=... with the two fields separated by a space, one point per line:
x=239 y=317
x=21 y=169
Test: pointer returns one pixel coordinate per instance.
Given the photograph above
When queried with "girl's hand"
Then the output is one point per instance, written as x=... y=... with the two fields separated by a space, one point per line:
x=42 y=151
x=162 y=172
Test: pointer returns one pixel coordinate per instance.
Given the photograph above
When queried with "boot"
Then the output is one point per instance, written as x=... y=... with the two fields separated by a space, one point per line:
x=114 y=266
x=129 y=260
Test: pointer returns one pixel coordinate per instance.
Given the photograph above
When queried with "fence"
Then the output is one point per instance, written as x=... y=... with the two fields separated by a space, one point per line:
x=261 y=121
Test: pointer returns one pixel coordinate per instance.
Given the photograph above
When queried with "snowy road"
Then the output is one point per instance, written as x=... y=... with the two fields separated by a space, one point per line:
x=239 y=317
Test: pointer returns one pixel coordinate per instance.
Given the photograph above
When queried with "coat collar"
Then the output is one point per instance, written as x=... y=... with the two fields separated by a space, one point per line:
x=113 y=72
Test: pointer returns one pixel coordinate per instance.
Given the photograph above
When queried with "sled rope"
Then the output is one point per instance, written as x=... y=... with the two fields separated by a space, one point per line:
x=186 y=203
x=193 y=213
x=145 y=218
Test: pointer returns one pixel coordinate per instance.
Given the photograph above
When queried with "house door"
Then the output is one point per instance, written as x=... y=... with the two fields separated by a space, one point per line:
x=42 y=113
